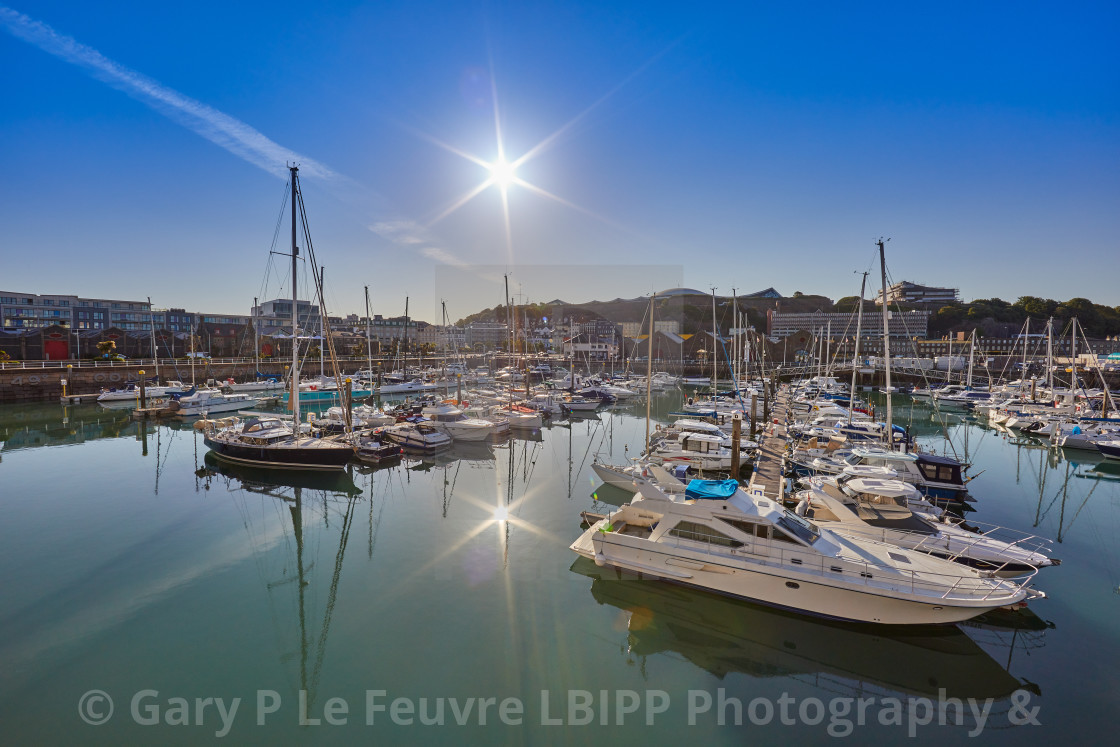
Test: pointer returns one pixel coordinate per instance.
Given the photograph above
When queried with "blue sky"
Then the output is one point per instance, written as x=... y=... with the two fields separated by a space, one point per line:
x=748 y=145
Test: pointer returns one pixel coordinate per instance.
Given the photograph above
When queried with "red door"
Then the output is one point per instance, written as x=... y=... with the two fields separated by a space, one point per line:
x=56 y=350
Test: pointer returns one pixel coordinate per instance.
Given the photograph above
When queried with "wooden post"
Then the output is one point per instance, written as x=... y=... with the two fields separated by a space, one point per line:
x=143 y=392
x=736 y=434
x=459 y=388
x=69 y=375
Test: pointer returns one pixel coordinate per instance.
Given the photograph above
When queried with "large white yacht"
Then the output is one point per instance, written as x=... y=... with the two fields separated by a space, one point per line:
x=455 y=423
x=719 y=538
x=883 y=510
x=131 y=392
x=210 y=402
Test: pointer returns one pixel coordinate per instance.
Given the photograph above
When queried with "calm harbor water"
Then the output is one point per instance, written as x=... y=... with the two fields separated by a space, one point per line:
x=135 y=565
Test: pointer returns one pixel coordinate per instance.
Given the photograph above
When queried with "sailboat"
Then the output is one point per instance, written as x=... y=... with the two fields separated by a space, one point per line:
x=267 y=440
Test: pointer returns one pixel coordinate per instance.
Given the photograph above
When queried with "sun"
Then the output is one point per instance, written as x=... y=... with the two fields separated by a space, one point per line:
x=502 y=173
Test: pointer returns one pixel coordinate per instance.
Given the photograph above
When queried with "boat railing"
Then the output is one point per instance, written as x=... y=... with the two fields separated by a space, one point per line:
x=969 y=587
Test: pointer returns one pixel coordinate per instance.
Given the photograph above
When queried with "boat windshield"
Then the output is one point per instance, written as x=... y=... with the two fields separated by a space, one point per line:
x=799 y=527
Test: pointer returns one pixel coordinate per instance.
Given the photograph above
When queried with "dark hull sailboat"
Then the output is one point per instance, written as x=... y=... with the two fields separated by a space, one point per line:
x=268 y=441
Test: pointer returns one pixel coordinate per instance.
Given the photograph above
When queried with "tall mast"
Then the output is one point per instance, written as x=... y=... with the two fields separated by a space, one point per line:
x=735 y=340
x=855 y=355
x=294 y=400
x=509 y=320
x=322 y=326
x=369 y=344
x=1026 y=336
x=971 y=352
x=715 y=335
x=1073 y=357
x=886 y=345
x=155 y=350
x=256 y=341
x=649 y=369
x=1050 y=355
x=828 y=350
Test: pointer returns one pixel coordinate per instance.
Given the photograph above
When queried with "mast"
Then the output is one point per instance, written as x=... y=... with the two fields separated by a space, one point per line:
x=715 y=335
x=1050 y=356
x=322 y=328
x=735 y=340
x=971 y=351
x=828 y=350
x=649 y=370
x=1026 y=336
x=369 y=344
x=1073 y=357
x=855 y=355
x=256 y=342
x=294 y=399
x=155 y=350
x=193 y=329
x=886 y=346
x=509 y=323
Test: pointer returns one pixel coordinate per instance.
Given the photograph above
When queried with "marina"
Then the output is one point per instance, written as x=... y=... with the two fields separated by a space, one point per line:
x=717 y=375
x=504 y=513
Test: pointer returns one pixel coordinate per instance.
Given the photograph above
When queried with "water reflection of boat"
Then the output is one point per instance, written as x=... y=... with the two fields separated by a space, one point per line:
x=34 y=426
x=1103 y=470
x=723 y=636
x=260 y=480
x=284 y=488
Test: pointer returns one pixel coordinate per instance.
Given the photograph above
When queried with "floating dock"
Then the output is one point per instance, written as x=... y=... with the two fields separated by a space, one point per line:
x=767 y=476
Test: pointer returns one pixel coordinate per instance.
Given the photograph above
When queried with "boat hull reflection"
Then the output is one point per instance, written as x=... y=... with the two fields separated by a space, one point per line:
x=723 y=635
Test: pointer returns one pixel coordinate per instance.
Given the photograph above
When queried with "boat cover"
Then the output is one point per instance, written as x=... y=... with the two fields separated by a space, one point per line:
x=717 y=490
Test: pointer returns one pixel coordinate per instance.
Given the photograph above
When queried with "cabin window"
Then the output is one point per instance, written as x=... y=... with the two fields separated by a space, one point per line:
x=748 y=528
x=783 y=537
x=801 y=528
x=691 y=530
x=929 y=470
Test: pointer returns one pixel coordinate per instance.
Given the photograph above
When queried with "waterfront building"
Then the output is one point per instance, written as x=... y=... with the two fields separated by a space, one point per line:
x=913 y=293
x=903 y=324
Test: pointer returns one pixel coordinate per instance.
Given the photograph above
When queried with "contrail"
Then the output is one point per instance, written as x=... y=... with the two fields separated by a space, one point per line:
x=221 y=129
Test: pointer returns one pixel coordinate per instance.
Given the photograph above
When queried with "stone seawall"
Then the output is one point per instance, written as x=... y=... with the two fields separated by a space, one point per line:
x=39 y=384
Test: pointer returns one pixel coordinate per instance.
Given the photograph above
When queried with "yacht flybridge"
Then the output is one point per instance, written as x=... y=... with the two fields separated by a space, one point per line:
x=717 y=537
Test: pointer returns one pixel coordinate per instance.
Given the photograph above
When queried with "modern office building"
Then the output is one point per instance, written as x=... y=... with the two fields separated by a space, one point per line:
x=903 y=324
x=907 y=292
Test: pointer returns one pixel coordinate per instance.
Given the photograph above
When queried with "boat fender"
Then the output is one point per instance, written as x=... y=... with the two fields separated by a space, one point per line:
x=600 y=559
x=802 y=508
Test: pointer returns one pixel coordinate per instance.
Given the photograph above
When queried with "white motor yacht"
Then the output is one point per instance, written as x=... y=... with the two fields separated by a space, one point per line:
x=211 y=401
x=700 y=451
x=719 y=538
x=132 y=392
x=881 y=510
x=456 y=424
x=418 y=436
